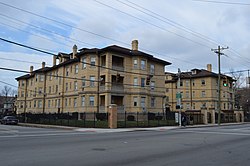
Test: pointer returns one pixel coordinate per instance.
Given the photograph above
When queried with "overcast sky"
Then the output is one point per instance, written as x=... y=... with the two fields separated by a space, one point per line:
x=179 y=31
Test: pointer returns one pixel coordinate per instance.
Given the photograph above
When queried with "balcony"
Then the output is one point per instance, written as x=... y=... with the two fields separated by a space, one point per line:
x=116 y=87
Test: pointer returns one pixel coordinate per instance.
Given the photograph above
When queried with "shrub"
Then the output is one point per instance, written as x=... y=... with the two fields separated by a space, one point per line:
x=131 y=118
x=158 y=117
x=151 y=116
x=101 y=116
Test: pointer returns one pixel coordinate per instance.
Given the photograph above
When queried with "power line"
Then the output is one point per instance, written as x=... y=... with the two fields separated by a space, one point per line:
x=224 y=2
x=46 y=30
x=62 y=23
x=167 y=21
x=151 y=24
x=22 y=45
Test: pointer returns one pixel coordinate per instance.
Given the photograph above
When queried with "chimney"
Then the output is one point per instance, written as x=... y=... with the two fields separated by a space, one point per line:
x=74 y=51
x=43 y=64
x=54 y=60
x=31 y=69
x=135 y=45
x=209 y=67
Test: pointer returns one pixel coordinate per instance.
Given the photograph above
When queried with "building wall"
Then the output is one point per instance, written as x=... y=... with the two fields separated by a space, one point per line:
x=204 y=96
x=48 y=93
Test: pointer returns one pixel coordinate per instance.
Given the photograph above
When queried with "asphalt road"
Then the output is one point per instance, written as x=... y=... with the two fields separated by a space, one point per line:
x=225 y=145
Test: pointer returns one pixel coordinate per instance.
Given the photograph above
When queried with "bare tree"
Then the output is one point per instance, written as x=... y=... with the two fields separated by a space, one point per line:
x=8 y=93
x=239 y=77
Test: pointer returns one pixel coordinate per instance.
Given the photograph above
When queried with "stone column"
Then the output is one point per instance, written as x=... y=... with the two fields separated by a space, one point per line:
x=113 y=116
x=204 y=112
x=213 y=116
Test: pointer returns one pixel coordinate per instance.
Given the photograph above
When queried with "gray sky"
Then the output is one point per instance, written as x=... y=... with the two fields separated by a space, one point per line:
x=181 y=32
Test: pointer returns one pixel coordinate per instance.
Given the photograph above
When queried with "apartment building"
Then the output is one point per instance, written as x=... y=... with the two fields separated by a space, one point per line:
x=199 y=92
x=89 y=80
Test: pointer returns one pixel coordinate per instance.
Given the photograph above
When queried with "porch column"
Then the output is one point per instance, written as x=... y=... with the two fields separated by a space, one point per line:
x=204 y=112
x=213 y=116
x=112 y=116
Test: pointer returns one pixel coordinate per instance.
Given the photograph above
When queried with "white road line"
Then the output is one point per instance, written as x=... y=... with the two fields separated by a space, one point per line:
x=218 y=133
x=41 y=135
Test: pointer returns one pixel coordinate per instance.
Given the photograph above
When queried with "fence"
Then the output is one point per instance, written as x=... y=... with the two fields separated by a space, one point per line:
x=99 y=120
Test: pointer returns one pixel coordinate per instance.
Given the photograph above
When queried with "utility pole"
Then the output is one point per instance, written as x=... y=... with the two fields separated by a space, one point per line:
x=218 y=51
x=178 y=95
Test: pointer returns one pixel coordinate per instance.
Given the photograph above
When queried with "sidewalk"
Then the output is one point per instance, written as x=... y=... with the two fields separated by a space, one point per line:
x=104 y=130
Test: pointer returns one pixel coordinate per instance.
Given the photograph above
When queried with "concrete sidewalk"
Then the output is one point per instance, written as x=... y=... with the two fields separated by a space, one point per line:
x=104 y=130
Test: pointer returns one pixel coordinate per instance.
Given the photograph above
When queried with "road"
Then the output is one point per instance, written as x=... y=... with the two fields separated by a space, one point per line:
x=224 y=145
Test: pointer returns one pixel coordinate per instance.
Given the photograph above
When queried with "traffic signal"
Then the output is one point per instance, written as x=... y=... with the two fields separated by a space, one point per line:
x=225 y=83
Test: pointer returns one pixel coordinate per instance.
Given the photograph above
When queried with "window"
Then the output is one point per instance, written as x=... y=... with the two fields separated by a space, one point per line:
x=22 y=83
x=66 y=102
x=92 y=61
x=49 y=103
x=49 y=89
x=39 y=103
x=143 y=64
x=34 y=103
x=193 y=83
x=152 y=85
x=22 y=94
x=84 y=63
x=76 y=69
x=187 y=83
x=152 y=69
x=204 y=105
x=135 y=81
x=203 y=82
x=181 y=83
x=83 y=81
x=67 y=71
x=193 y=94
x=92 y=81
x=224 y=105
x=188 y=106
x=41 y=78
x=50 y=76
x=34 y=93
x=83 y=101
x=40 y=90
x=203 y=94
x=66 y=87
x=135 y=62
x=187 y=94
x=56 y=88
x=135 y=101
x=75 y=102
x=143 y=100
x=152 y=102
x=194 y=106
x=56 y=103
x=142 y=82
x=224 y=94
x=75 y=86
x=91 y=100
x=36 y=77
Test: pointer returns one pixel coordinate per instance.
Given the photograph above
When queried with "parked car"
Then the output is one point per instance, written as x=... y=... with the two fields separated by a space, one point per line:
x=9 y=120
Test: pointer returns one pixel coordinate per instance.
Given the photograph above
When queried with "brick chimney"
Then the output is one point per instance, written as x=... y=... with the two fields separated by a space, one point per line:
x=31 y=69
x=209 y=67
x=135 y=45
x=43 y=64
x=54 y=60
x=74 y=51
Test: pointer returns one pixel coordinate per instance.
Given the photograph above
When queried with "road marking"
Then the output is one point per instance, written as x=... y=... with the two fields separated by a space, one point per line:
x=43 y=135
x=218 y=133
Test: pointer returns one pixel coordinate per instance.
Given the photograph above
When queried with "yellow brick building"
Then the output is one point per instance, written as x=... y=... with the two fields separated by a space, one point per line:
x=199 y=91
x=89 y=80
